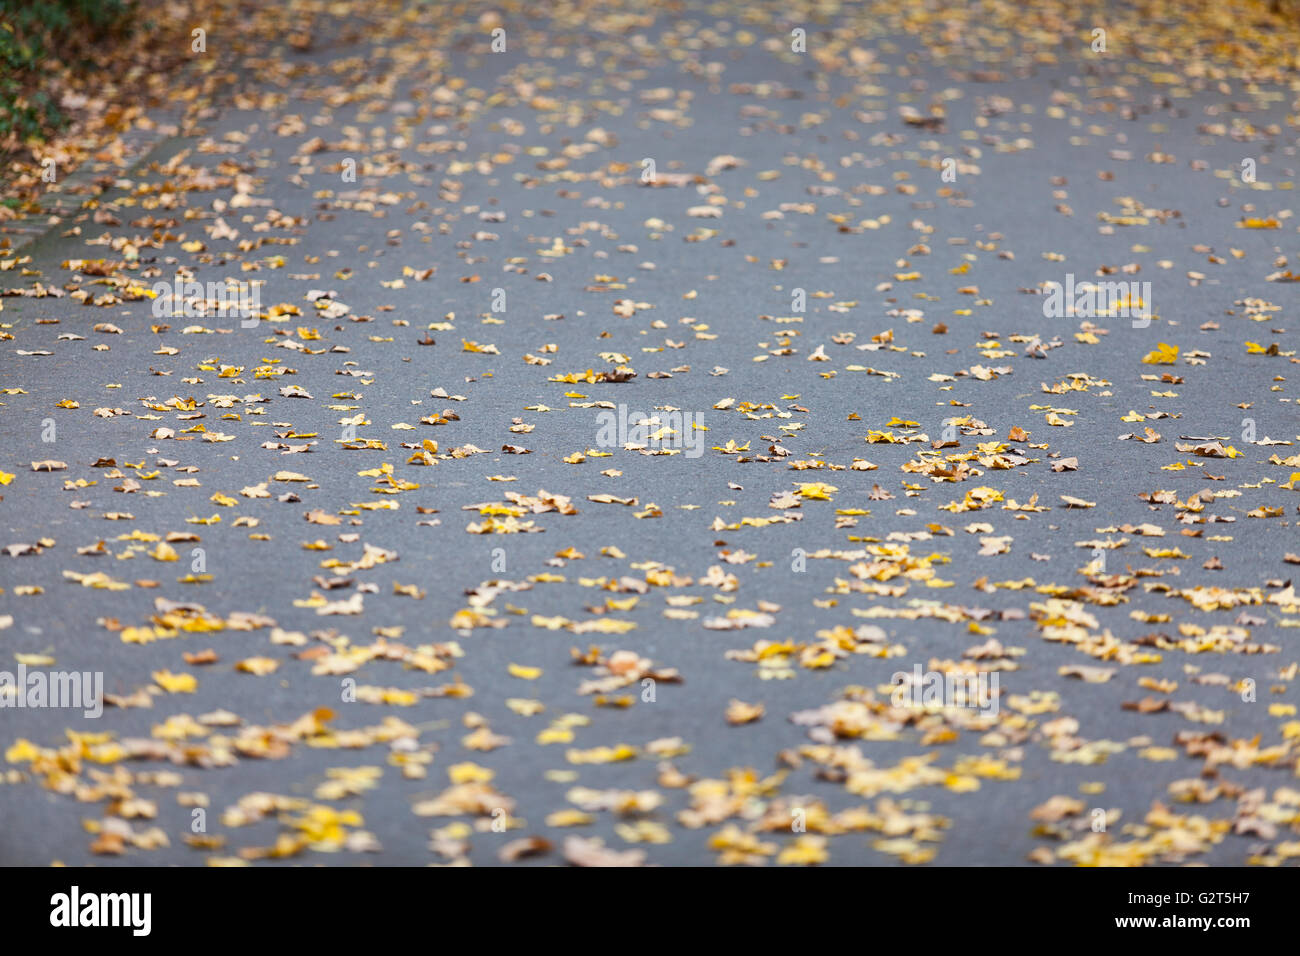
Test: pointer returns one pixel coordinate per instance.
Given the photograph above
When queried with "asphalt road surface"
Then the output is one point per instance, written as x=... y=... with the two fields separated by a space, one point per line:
x=367 y=583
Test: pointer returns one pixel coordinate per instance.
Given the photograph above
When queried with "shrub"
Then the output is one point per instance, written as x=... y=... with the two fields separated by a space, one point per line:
x=39 y=41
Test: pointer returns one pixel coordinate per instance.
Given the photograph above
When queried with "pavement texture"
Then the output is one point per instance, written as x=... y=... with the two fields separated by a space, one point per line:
x=371 y=580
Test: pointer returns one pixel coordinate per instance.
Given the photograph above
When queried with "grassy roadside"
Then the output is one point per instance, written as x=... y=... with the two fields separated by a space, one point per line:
x=73 y=75
x=77 y=74
x=43 y=46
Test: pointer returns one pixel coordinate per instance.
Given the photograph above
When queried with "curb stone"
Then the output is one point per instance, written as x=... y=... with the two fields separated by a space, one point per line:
x=64 y=202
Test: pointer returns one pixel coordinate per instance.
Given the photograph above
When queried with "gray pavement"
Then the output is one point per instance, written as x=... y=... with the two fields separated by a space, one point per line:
x=776 y=171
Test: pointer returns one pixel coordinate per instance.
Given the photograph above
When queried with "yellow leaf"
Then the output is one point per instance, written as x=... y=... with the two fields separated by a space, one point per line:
x=175 y=683
x=1164 y=354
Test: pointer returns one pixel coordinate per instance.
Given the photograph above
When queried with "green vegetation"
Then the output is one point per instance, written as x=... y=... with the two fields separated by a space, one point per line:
x=40 y=40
